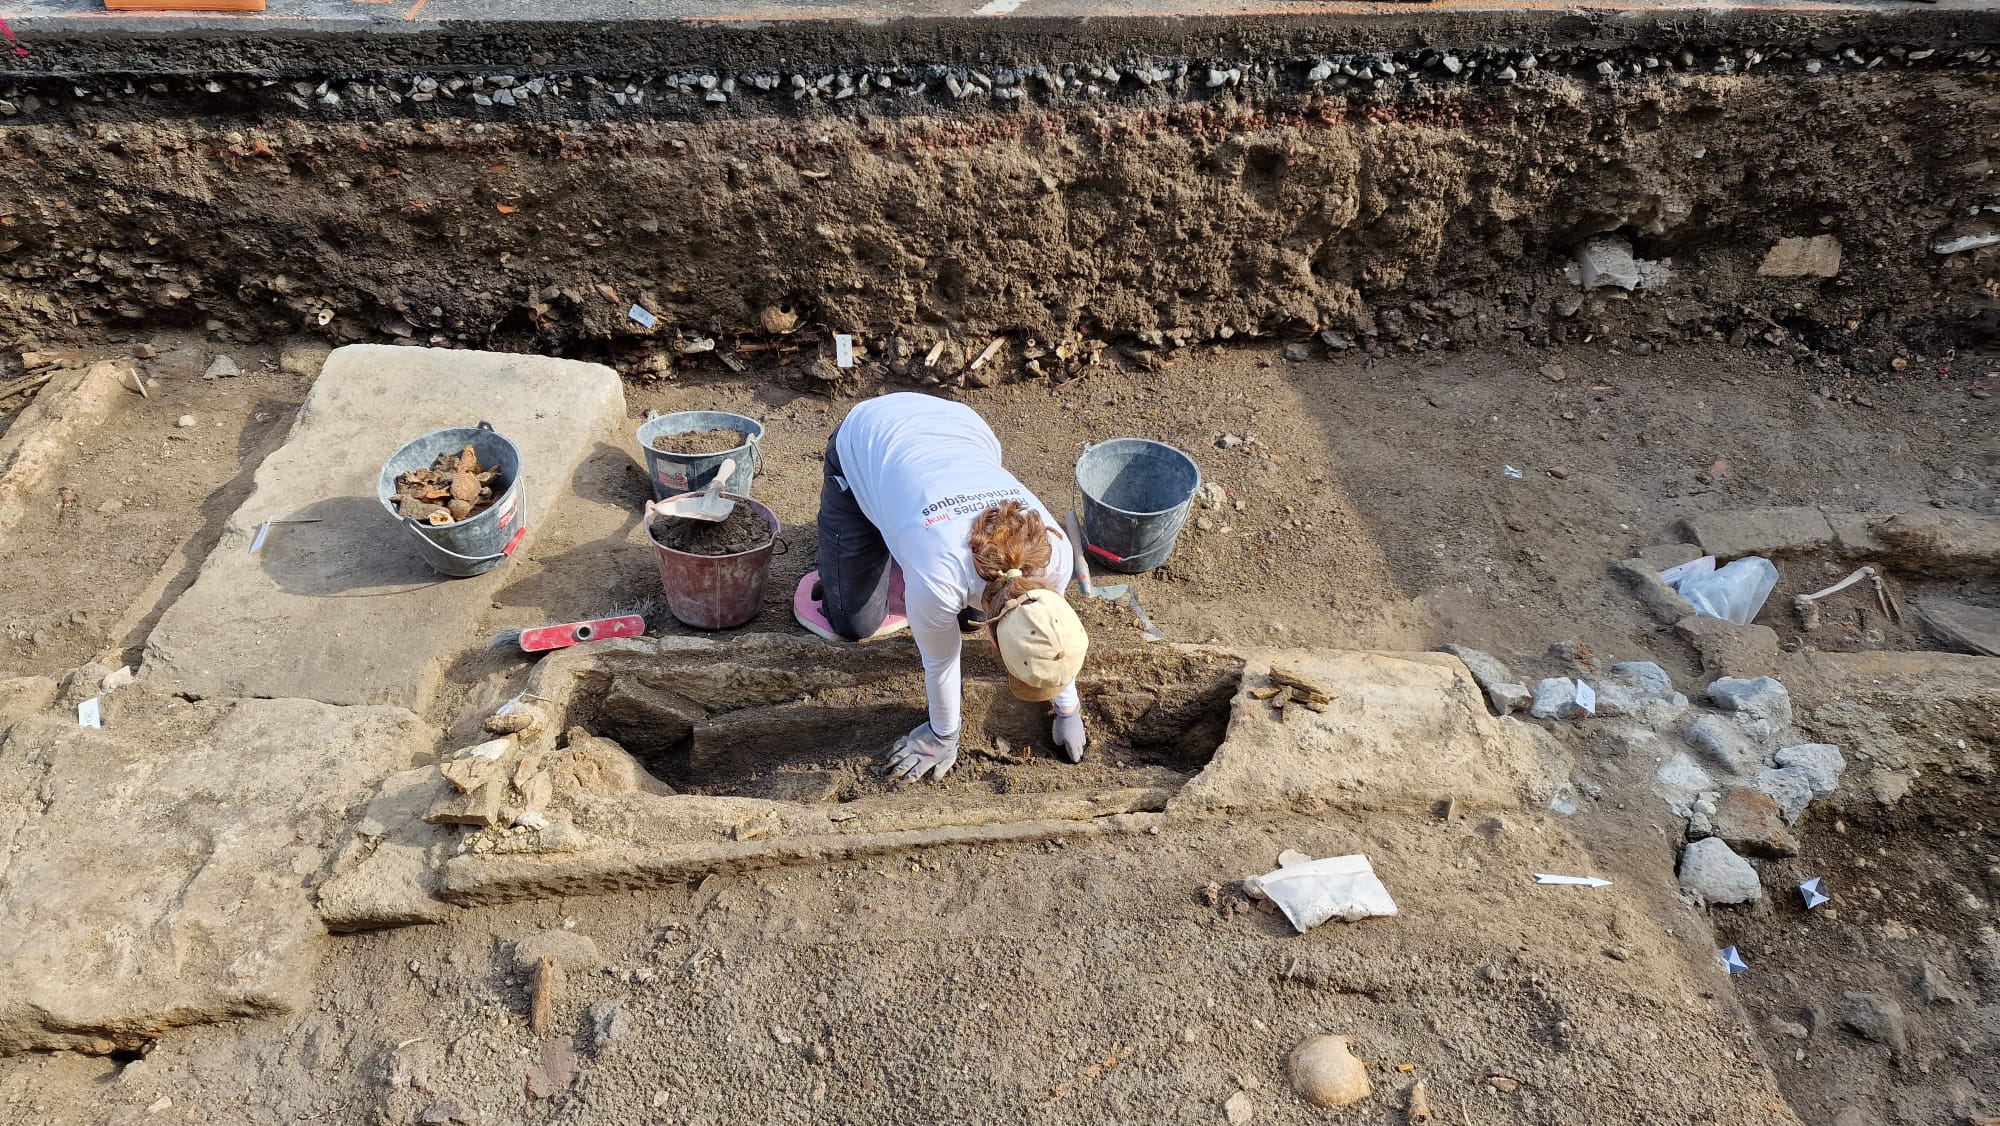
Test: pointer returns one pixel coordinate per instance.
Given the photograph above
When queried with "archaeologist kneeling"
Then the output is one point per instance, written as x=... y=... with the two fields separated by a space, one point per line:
x=919 y=526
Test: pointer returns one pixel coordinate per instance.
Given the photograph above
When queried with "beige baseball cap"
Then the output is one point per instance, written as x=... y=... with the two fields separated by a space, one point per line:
x=1042 y=644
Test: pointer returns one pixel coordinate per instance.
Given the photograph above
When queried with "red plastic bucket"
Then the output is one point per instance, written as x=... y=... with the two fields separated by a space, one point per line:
x=717 y=591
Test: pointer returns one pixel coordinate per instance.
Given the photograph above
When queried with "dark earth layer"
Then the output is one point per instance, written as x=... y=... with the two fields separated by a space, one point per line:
x=1441 y=218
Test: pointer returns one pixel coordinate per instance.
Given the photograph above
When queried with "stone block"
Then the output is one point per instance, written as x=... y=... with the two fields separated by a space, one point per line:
x=1760 y=531
x=344 y=610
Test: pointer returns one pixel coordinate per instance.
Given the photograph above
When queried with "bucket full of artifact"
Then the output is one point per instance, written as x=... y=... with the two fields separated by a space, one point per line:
x=461 y=495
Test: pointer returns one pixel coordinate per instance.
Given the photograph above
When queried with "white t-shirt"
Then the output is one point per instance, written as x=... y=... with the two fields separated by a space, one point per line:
x=922 y=469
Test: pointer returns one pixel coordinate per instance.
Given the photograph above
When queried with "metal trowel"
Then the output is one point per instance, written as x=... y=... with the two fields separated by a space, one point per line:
x=709 y=504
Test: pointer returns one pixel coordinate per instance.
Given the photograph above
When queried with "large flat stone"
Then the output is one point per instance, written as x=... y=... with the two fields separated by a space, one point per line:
x=155 y=871
x=1404 y=731
x=1760 y=531
x=344 y=610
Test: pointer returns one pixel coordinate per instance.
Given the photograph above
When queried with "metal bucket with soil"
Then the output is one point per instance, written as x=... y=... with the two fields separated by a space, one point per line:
x=714 y=572
x=686 y=448
x=489 y=533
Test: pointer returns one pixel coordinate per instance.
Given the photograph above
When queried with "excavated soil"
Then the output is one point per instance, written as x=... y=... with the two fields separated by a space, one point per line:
x=699 y=442
x=1910 y=925
x=740 y=531
x=1441 y=218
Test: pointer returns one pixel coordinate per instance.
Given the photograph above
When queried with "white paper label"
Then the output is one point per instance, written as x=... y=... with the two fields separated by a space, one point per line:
x=90 y=713
x=645 y=319
x=1586 y=698
x=843 y=350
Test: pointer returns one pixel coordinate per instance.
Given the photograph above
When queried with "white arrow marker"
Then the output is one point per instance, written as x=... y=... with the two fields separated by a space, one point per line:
x=1578 y=881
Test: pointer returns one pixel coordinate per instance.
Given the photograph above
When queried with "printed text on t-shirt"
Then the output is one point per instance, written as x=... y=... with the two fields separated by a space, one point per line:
x=938 y=511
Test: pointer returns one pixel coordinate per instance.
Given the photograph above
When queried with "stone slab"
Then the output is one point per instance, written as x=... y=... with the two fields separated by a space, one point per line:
x=343 y=610
x=1760 y=531
x=155 y=871
x=1404 y=731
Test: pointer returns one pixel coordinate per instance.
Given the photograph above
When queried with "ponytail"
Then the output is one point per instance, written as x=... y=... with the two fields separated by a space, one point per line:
x=1010 y=550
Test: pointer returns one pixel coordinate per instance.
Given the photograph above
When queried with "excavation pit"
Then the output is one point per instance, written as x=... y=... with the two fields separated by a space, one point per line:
x=790 y=720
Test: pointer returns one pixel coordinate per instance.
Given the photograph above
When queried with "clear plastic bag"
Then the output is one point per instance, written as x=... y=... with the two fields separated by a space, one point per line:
x=1734 y=593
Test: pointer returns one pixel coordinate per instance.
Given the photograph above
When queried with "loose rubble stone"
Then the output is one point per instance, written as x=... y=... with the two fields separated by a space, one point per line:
x=1788 y=786
x=1711 y=871
x=1822 y=764
x=222 y=367
x=1874 y=1017
x=575 y=953
x=304 y=359
x=181 y=363
x=1641 y=690
x=1937 y=989
x=1790 y=1029
x=1723 y=743
x=1815 y=257
x=1555 y=698
x=1749 y=822
x=1762 y=699
x=1503 y=693
x=1680 y=780
x=610 y=1022
x=443 y=1111
x=1605 y=261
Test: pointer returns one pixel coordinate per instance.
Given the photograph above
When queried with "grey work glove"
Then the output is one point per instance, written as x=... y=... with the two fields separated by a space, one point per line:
x=1068 y=733
x=922 y=752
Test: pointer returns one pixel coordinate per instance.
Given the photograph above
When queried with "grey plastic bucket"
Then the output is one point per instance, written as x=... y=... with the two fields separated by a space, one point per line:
x=479 y=543
x=1136 y=495
x=673 y=474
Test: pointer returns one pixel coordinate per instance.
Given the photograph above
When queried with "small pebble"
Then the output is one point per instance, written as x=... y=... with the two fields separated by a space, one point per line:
x=185 y=421
x=1559 y=473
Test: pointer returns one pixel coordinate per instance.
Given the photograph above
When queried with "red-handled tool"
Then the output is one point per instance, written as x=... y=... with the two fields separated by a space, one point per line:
x=543 y=638
x=1103 y=554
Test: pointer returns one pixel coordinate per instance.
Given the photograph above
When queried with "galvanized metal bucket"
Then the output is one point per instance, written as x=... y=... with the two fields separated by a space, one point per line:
x=673 y=474
x=479 y=543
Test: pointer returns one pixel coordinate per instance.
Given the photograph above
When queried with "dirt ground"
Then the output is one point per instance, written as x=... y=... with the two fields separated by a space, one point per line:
x=1090 y=979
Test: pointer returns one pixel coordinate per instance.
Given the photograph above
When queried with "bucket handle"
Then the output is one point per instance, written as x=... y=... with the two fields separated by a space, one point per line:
x=470 y=560
x=779 y=542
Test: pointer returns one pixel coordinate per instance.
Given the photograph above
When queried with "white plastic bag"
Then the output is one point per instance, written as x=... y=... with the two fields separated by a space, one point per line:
x=1338 y=887
x=1733 y=593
